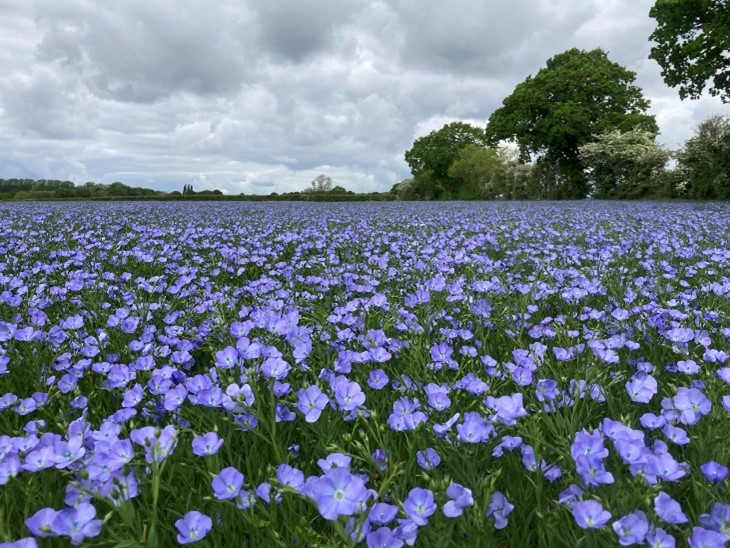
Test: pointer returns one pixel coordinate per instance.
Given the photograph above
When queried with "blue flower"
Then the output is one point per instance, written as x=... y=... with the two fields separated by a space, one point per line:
x=659 y=538
x=383 y=538
x=507 y=408
x=311 y=403
x=348 y=394
x=207 y=444
x=668 y=509
x=419 y=505
x=193 y=527
x=338 y=493
x=228 y=358
x=691 y=404
x=461 y=498
x=499 y=508
x=28 y=542
x=706 y=538
x=290 y=476
x=382 y=514
x=377 y=379
x=428 y=459
x=718 y=519
x=590 y=514
x=334 y=460
x=632 y=528
x=714 y=471
x=227 y=484
x=41 y=523
x=641 y=388
x=77 y=522
x=474 y=429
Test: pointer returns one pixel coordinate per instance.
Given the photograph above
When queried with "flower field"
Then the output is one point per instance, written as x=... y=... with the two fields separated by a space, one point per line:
x=384 y=375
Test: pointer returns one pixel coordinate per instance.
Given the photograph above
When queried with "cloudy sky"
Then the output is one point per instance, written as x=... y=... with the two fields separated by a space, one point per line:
x=258 y=96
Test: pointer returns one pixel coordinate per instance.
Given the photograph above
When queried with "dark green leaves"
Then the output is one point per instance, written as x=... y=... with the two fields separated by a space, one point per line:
x=693 y=45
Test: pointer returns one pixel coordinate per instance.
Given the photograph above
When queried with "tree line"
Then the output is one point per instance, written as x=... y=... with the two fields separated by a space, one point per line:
x=45 y=189
x=321 y=189
x=580 y=127
x=458 y=161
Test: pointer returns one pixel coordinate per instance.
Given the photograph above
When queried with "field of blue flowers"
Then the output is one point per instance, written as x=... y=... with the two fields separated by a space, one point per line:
x=385 y=375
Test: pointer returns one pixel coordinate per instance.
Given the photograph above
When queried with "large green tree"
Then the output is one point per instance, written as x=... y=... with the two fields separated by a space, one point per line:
x=578 y=95
x=693 y=45
x=432 y=155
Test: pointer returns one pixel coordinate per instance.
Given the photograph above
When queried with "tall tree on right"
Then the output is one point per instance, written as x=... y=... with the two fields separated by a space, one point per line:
x=577 y=96
x=693 y=45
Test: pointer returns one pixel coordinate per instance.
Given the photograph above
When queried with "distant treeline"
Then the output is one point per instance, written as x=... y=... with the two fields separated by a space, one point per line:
x=45 y=189
x=50 y=189
x=290 y=197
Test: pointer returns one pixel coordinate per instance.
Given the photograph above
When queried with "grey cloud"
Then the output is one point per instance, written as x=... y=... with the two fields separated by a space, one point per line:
x=44 y=104
x=17 y=37
x=484 y=38
x=142 y=51
x=294 y=30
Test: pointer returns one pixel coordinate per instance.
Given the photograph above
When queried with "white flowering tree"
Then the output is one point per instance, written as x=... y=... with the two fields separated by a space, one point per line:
x=623 y=164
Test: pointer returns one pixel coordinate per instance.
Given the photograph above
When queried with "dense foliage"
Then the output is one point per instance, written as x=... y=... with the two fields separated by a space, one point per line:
x=321 y=183
x=431 y=157
x=624 y=164
x=704 y=161
x=189 y=190
x=324 y=375
x=692 y=45
x=478 y=169
x=578 y=95
x=615 y=165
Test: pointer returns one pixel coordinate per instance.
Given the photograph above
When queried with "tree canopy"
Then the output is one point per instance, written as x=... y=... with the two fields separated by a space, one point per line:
x=432 y=155
x=578 y=95
x=693 y=45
